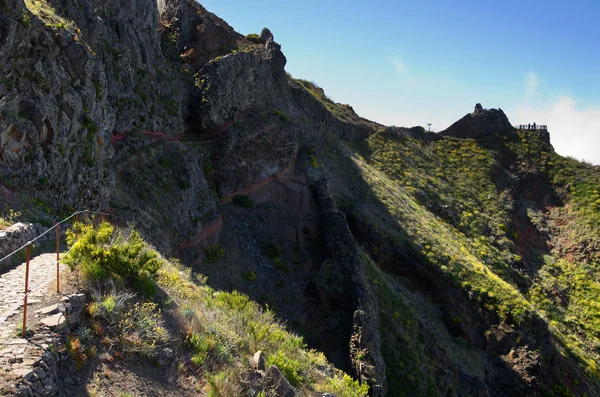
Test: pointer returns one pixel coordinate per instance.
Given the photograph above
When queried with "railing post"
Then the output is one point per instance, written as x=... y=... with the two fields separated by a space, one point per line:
x=57 y=258
x=77 y=226
x=27 y=255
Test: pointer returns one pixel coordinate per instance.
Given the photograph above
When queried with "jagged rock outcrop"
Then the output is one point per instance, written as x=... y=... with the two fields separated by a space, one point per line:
x=198 y=34
x=480 y=123
x=160 y=109
x=69 y=81
x=266 y=37
x=365 y=343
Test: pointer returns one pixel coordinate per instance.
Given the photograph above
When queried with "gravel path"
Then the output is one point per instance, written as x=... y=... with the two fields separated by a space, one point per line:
x=42 y=272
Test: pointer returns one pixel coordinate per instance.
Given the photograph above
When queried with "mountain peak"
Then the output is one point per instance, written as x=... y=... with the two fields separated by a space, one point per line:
x=480 y=123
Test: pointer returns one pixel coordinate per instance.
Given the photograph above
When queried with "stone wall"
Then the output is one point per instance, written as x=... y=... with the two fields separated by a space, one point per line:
x=18 y=235
x=38 y=365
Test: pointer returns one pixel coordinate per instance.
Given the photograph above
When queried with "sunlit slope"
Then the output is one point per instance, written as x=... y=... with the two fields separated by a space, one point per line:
x=474 y=213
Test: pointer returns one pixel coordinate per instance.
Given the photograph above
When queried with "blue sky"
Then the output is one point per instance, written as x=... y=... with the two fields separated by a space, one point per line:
x=419 y=62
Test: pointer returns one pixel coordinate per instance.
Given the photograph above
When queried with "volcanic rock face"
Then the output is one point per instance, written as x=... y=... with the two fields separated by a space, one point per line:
x=160 y=109
x=70 y=80
x=359 y=299
x=480 y=123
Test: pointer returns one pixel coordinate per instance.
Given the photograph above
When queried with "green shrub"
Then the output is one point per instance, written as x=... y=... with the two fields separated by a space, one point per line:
x=142 y=328
x=271 y=250
x=214 y=253
x=110 y=306
x=224 y=383
x=243 y=201
x=102 y=252
x=253 y=37
x=345 y=386
x=200 y=344
x=145 y=285
x=25 y=19
x=249 y=275
x=290 y=367
x=279 y=265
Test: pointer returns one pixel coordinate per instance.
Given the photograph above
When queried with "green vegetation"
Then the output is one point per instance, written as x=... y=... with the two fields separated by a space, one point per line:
x=8 y=218
x=227 y=327
x=223 y=328
x=460 y=222
x=453 y=242
x=249 y=275
x=409 y=371
x=313 y=159
x=253 y=37
x=214 y=253
x=342 y=112
x=243 y=201
x=136 y=327
x=46 y=12
x=98 y=89
x=104 y=253
x=281 y=115
x=25 y=20
x=273 y=252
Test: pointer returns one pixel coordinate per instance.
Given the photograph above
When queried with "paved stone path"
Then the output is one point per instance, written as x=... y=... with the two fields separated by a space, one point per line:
x=42 y=272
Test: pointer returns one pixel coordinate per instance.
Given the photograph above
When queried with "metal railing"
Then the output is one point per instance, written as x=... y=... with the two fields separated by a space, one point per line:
x=532 y=127
x=27 y=247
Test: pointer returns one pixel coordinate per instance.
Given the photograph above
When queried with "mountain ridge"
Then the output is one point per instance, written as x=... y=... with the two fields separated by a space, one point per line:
x=420 y=263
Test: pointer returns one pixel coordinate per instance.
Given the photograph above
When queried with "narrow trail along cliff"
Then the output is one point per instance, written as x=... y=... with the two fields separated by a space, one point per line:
x=42 y=284
x=420 y=264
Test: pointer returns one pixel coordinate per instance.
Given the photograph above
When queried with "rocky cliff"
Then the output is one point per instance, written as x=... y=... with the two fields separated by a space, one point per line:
x=411 y=259
x=480 y=123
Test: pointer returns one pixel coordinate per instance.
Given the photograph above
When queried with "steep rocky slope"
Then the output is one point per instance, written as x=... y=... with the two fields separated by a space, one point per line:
x=458 y=263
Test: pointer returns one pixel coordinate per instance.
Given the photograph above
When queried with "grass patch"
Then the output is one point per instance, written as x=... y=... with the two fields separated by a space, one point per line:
x=227 y=327
x=46 y=12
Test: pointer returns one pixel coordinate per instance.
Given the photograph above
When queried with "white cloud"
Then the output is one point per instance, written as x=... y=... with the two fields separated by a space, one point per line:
x=574 y=131
x=399 y=65
x=531 y=85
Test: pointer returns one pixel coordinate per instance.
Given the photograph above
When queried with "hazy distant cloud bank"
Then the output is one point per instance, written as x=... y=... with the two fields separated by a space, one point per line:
x=573 y=131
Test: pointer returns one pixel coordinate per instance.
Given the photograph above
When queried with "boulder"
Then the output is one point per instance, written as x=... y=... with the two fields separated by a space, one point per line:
x=266 y=36
x=278 y=383
x=259 y=360
x=55 y=322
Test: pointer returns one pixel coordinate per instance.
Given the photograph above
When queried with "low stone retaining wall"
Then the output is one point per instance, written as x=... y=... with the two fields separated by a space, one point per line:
x=34 y=363
x=18 y=235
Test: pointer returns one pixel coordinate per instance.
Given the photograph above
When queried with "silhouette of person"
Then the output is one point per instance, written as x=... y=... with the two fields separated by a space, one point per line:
x=534 y=126
x=529 y=126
